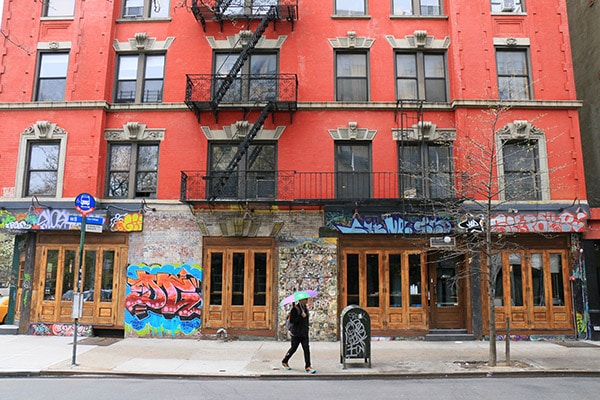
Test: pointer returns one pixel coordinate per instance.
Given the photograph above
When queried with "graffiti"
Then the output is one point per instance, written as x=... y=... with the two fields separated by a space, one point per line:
x=539 y=222
x=42 y=329
x=355 y=336
x=17 y=221
x=131 y=222
x=26 y=289
x=582 y=324
x=395 y=224
x=49 y=219
x=163 y=299
x=471 y=224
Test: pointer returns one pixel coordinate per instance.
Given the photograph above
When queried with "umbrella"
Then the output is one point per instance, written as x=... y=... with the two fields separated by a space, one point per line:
x=297 y=296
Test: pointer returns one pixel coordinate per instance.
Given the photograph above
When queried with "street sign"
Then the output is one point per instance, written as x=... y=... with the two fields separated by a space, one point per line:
x=88 y=220
x=85 y=203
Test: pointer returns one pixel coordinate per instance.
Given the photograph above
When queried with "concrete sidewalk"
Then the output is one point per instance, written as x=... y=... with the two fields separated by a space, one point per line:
x=52 y=356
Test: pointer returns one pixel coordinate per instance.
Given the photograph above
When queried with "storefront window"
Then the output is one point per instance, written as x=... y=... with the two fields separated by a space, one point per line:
x=352 y=279
x=51 y=266
x=237 y=295
x=108 y=267
x=414 y=273
x=558 y=293
x=216 y=279
x=372 y=280
x=498 y=272
x=395 y=268
x=516 y=279
x=89 y=275
x=69 y=271
x=537 y=279
x=260 y=279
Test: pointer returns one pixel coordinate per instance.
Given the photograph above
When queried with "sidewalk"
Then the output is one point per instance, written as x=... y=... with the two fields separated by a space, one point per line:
x=52 y=356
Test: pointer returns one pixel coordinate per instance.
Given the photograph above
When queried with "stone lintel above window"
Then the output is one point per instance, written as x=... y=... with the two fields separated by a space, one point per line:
x=141 y=42
x=424 y=131
x=134 y=131
x=351 y=42
x=511 y=42
x=419 y=40
x=352 y=132
x=43 y=130
x=238 y=41
x=520 y=129
x=54 y=46
x=239 y=130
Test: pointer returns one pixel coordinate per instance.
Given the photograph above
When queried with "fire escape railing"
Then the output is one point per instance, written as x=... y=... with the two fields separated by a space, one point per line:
x=221 y=10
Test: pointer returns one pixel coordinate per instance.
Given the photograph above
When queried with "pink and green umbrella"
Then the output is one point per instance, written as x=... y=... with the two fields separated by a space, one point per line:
x=297 y=296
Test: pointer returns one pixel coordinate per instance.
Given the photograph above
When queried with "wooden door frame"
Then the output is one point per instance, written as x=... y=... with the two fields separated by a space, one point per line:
x=462 y=298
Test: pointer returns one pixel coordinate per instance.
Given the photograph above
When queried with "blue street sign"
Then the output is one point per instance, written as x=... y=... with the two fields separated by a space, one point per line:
x=89 y=219
x=85 y=203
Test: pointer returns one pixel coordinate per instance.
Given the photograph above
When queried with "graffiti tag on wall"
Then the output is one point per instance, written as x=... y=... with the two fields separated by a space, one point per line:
x=163 y=300
x=49 y=219
x=391 y=224
x=539 y=222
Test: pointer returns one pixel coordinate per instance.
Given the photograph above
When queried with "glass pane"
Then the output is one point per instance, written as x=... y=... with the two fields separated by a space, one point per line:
x=395 y=268
x=447 y=284
x=89 y=276
x=69 y=275
x=108 y=268
x=350 y=7
x=506 y=6
x=497 y=271
x=237 y=280
x=147 y=165
x=54 y=65
x=128 y=66
x=434 y=66
x=134 y=8
x=516 y=279
x=43 y=169
x=351 y=89
x=352 y=158
x=147 y=158
x=372 y=280
x=50 y=281
x=60 y=8
x=414 y=276
x=159 y=9
x=556 y=274
x=155 y=67
x=403 y=7
x=153 y=91
x=44 y=156
x=216 y=279
x=351 y=65
x=51 y=89
x=430 y=7
x=260 y=279
x=263 y=64
x=537 y=279
x=120 y=157
x=352 y=279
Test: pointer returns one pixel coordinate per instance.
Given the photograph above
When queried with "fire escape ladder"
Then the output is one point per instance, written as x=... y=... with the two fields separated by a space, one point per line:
x=241 y=150
x=244 y=54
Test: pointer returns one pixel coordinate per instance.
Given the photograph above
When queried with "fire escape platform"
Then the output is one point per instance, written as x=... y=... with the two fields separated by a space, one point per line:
x=222 y=10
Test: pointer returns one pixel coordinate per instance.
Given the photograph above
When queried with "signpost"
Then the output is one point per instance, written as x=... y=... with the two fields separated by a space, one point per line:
x=85 y=204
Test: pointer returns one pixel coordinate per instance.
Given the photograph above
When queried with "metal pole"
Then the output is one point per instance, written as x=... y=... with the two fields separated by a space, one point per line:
x=507 y=344
x=76 y=296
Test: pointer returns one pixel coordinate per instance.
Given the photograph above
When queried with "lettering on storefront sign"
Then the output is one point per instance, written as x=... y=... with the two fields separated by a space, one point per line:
x=539 y=222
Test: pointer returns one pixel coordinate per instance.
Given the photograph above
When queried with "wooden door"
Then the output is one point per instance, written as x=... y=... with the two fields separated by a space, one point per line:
x=445 y=291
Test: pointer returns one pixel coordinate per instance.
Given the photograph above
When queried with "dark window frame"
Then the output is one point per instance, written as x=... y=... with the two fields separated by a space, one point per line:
x=49 y=9
x=510 y=78
x=140 y=94
x=340 y=80
x=41 y=78
x=513 y=173
x=419 y=10
x=350 y=13
x=507 y=6
x=420 y=78
x=133 y=171
x=147 y=10
x=423 y=173
x=29 y=170
x=354 y=183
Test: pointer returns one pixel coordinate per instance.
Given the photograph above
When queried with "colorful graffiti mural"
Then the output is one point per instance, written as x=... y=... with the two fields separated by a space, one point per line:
x=539 y=222
x=42 y=329
x=163 y=300
x=389 y=224
x=49 y=219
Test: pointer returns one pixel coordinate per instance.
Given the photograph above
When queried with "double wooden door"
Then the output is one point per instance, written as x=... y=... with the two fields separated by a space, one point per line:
x=238 y=286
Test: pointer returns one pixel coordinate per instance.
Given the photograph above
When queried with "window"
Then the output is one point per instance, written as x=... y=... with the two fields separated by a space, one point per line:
x=350 y=7
x=42 y=168
x=507 y=6
x=247 y=7
x=257 y=80
x=52 y=77
x=351 y=76
x=421 y=75
x=513 y=74
x=59 y=8
x=353 y=170
x=140 y=78
x=521 y=161
x=425 y=170
x=417 y=7
x=145 y=8
x=132 y=170
x=254 y=176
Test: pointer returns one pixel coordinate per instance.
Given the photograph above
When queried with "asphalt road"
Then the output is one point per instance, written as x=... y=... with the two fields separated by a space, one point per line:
x=548 y=388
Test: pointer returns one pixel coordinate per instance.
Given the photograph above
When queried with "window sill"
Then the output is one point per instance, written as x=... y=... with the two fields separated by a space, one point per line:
x=336 y=16
x=393 y=16
x=143 y=19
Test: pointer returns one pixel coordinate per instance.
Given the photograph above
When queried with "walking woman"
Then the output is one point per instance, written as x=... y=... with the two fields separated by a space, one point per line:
x=299 y=317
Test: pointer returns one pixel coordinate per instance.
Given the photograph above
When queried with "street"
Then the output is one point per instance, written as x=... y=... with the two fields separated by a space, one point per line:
x=547 y=388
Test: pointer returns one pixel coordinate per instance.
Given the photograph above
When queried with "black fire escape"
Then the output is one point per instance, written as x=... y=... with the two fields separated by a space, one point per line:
x=272 y=92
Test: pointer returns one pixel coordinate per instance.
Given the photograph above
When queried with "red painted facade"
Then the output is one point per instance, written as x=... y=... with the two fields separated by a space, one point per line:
x=469 y=29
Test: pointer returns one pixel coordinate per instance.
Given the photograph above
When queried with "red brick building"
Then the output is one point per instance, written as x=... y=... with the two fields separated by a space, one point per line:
x=240 y=150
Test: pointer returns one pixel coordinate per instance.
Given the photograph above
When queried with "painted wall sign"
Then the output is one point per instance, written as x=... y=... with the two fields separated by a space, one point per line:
x=393 y=223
